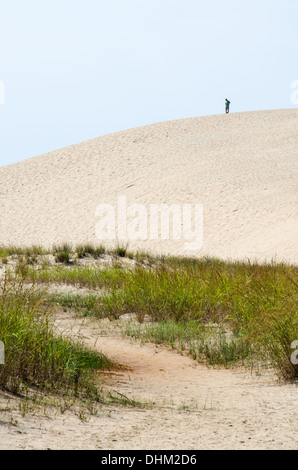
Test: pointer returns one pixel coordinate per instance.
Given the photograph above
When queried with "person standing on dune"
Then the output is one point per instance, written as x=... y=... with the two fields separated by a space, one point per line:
x=227 y=106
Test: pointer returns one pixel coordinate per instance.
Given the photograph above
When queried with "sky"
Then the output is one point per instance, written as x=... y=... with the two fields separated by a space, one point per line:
x=72 y=70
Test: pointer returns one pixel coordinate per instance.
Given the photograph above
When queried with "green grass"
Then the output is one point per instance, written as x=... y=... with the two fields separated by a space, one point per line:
x=62 y=253
x=210 y=344
x=10 y=250
x=80 y=276
x=85 y=305
x=257 y=304
x=34 y=355
x=254 y=306
x=120 y=251
x=84 y=250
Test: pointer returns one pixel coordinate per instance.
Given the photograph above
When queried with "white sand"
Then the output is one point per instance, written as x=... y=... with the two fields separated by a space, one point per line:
x=242 y=167
x=192 y=406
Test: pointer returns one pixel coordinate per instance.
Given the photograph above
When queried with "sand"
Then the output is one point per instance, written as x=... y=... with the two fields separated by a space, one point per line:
x=242 y=168
x=189 y=406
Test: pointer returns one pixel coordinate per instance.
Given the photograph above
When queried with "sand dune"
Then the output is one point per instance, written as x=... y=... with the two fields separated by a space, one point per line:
x=242 y=167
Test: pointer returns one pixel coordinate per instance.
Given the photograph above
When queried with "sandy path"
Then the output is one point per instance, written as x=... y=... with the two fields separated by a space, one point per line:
x=192 y=407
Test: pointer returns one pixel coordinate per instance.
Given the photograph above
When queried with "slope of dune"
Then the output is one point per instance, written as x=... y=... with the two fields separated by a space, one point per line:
x=242 y=168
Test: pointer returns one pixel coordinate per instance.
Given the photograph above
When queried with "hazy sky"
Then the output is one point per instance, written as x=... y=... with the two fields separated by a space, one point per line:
x=71 y=70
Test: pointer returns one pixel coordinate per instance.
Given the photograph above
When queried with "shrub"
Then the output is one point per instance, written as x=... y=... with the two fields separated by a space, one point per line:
x=89 y=249
x=62 y=253
x=120 y=251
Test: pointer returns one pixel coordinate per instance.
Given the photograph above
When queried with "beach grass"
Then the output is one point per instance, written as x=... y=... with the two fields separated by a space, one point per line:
x=221 y=312
x=35 y=356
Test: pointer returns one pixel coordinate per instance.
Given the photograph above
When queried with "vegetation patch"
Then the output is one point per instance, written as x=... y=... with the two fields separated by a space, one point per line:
x=220 y=312
x=35 y=357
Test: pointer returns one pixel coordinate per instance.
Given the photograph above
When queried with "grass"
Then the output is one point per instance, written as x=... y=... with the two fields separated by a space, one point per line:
x=62 y=253
x=121 y=251
x=84 y=250
x=209 y=344
x=252 y=307
x=34 y=355
x=85 y=305
x=80 y=276
x=10 y=250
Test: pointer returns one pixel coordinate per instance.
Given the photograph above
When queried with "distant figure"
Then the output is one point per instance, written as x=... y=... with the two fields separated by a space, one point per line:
x=227 y=106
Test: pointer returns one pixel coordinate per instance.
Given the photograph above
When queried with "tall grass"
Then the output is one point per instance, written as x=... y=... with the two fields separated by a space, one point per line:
x=210 y=344
x=84 y=250
x=34 y=355
x=62 y=253
x=19 y=250
x=81 y=276
x=255 y=303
